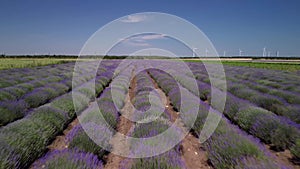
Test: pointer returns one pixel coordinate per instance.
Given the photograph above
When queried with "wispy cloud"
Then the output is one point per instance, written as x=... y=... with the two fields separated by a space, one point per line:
x=144 y=37
x=142 y=40
x=134 y=18
x=152 y=36
x=139 y=44
x=134 y=42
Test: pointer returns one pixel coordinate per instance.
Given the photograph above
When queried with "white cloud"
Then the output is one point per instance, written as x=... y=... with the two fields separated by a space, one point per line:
x=153 y=36
x=144 y=38
x=134 y=18
x=141 y=40
x=140 y=44
x=135 y=42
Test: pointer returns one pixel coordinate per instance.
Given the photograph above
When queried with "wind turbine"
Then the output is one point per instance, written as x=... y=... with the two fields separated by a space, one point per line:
x=277 y=53
x=240 y=52
x=264 y=52
x=206 y=52
x=224 y=53
x=194 y=51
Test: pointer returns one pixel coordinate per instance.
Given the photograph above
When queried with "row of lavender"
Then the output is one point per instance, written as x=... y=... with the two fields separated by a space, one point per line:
x=25 y=140
x=277 y=83
x=89 y=141
x=13 y=77
x=228 y=147
x=276 y=104
x=63 y=74
x=17 y=100
x=239 y=110
x=150 y=129
x=285 y=89
x=279 y=132
x=147 y=101
x=275 y=79
x=281 y=102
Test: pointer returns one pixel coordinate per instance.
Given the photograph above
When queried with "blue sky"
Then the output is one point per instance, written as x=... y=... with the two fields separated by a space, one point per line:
x=62 y=27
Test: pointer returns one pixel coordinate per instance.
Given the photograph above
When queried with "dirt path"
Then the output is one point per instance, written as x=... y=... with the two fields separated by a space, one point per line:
x=119 y=142
x=283 y=158
x=192 y=151
x=59 y=142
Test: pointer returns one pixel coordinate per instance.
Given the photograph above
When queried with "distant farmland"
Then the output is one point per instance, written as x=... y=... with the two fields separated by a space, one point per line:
x=43 y=127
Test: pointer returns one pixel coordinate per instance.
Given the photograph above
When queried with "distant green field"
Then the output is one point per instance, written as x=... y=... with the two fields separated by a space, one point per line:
x=10 y=63
x=290 y=66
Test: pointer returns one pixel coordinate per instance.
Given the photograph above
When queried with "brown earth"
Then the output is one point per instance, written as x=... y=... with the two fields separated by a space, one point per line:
x=60 y=143
x=119 y=142
x=283 y=158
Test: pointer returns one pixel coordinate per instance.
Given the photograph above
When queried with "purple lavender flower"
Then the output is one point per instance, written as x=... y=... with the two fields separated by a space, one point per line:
x=69 y=159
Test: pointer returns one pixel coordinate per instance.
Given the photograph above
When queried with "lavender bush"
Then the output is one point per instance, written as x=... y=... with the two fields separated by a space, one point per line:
x=10 y=111
x=296 y=150
x=28 y=138
x=69 y=159
x=6 y=96
x=79 y=140
x=168 y=160
x=273 y=130
x=66 y=104
x=227 y=146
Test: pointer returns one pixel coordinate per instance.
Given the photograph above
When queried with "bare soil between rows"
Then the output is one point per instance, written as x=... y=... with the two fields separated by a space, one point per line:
x=59 y=143
x=283 y=158
x=192 y=152
x=119 y=143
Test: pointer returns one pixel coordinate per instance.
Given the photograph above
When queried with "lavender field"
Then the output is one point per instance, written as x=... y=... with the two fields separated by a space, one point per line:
x=51 y=117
